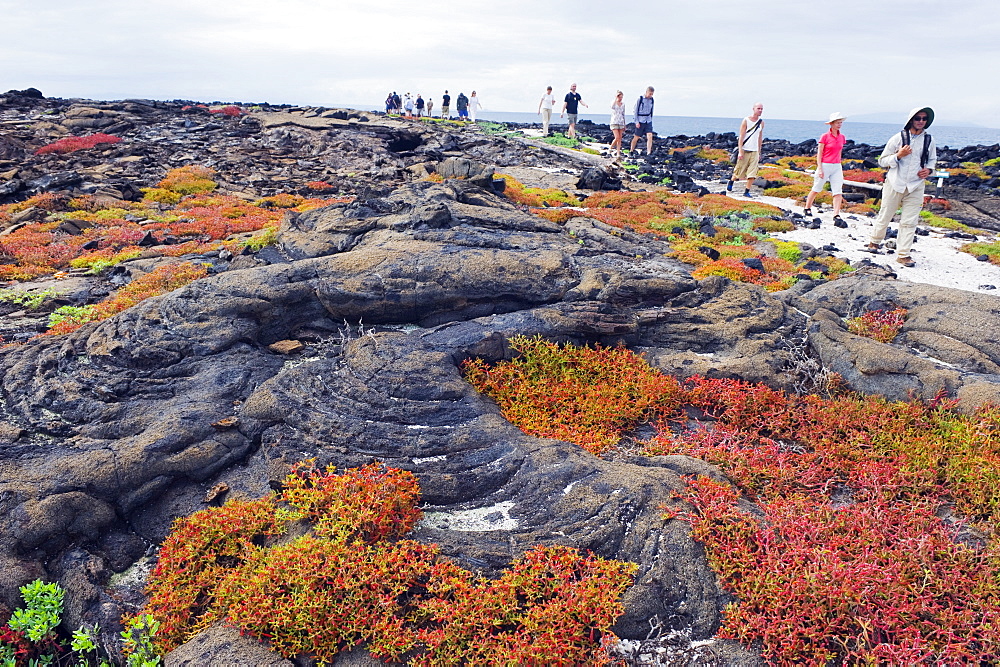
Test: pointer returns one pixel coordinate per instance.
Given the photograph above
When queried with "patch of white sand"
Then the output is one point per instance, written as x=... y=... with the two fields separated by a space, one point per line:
x=938 y=259
x=478 y=519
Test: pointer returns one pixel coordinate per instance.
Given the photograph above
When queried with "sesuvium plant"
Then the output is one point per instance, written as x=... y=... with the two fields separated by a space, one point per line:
x=30 y=638
x=28 y=300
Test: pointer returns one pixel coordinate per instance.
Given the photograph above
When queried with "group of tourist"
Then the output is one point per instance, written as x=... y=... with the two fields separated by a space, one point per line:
x=417 y=107
x=642 y=115
x=909 y=158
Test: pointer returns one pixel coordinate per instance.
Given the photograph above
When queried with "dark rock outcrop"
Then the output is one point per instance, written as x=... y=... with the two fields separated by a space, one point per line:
x=344 y=342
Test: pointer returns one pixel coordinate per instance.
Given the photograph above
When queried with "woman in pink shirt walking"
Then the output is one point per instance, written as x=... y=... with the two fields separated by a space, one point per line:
x=828 y=168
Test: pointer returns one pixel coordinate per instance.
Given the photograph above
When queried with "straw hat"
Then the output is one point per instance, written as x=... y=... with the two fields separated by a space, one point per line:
x=836 y=115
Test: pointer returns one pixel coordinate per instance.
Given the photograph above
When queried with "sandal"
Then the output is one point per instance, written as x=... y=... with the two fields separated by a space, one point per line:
x=837 y=218
x=906 y=261
x=807 y=212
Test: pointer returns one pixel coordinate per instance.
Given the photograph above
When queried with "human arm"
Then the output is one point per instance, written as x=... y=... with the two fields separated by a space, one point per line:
x=743 y=136
x=760 y=137
x=893 y=152
x=819 y=158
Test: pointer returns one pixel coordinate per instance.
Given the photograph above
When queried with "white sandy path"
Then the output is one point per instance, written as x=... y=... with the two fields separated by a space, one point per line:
x=938 y=260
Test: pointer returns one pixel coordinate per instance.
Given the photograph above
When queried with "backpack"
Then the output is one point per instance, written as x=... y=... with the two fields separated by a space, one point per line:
x=904 y=135
x=639 y=106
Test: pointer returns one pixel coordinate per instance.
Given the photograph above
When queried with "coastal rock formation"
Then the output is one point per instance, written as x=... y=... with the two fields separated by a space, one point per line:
x=344 y=343
x=946 y=345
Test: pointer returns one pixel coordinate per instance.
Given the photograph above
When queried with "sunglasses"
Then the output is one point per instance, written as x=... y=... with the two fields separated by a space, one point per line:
x=920 y=118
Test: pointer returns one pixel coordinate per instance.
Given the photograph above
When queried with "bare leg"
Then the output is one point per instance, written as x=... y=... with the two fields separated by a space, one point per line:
x=838 y=201
x=810 y=199
x=649 y=143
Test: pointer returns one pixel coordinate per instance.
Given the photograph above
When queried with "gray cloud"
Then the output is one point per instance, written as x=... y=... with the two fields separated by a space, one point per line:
x=711 y=58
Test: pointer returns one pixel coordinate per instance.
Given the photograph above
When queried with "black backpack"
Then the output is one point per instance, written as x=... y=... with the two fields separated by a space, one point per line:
x=904 y=135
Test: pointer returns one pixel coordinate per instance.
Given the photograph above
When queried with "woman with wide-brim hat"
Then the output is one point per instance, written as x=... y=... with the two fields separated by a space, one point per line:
x=828 y=167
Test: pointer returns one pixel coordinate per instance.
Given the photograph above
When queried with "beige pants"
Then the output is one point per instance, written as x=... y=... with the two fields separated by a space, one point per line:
x=911 y=202
x=546 y=119
x=746 y=166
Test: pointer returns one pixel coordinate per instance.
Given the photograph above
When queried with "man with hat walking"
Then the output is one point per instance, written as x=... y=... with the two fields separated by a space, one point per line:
x=910 y=157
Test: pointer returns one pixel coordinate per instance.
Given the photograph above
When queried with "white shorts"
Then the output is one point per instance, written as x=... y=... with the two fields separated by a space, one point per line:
x=834 y=173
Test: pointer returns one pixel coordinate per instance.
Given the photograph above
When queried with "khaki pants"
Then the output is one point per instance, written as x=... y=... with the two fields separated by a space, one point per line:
x=746 y=166
x=911 y=202
x=546 y=118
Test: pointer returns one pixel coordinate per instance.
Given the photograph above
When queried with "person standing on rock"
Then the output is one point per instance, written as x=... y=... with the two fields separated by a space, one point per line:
x=430 y=107
x=446 y=105
x=474 y=106
x=910 y=157
x=545 y=107
x=390 y=104
x=462 y=104
x=618 y=123
x=570 y=109
x=643 y=119
x=408 y=105
x=420 y=105
x=828 y=167
x=750 y=145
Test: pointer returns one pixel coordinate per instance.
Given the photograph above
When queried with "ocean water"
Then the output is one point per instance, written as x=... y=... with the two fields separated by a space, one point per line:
x=874 y=134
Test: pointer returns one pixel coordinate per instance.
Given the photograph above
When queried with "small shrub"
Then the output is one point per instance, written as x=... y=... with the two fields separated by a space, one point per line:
x=788 y=250
x=71 y=144
x=189 y=180
x=230 y=110
x=557 y=215
x=587 y=396
x=880 y=325
x=535 y=197
x=864 y=176
x=161 y=196
x=771 y=226
x=158 y=281
x=991 y=250
x=559 y=139
x=30 y=300
x=717 y=155
x=352 y=580
x=844 y=558
x=942 y=222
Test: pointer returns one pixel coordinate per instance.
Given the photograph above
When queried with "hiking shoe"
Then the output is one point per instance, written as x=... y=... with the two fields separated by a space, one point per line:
x=729 y=185
x=905 y=261
x=748 y=194
x=873 y=248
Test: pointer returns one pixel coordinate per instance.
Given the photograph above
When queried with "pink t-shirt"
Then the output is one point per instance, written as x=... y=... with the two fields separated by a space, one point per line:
x=832 y=146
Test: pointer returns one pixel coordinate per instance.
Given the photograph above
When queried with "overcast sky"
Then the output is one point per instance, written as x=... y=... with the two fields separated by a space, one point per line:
x=801 y=58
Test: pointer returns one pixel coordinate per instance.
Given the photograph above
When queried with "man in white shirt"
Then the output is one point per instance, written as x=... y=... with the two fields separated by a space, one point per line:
x=750 y=143
x=910 y=157
x=545 y=106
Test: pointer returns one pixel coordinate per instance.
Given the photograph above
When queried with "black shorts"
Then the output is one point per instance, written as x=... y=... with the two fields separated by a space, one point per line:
x=642 y=130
